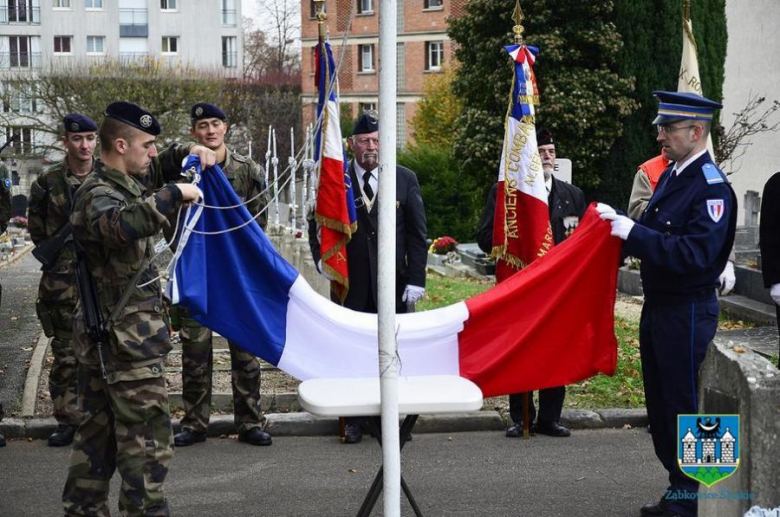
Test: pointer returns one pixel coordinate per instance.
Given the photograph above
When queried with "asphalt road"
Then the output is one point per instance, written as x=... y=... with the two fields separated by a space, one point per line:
x=19 y=327
x=599 y=473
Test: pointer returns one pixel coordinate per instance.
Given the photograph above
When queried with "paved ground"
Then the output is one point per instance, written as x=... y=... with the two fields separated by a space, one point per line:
x=600 y=473
x=18 y=327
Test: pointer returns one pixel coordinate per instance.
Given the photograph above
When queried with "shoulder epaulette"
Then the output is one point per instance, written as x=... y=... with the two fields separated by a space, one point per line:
x=240 y=158
x=712 y=174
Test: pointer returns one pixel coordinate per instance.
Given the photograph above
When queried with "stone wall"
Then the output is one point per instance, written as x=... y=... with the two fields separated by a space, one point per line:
x=737 y=380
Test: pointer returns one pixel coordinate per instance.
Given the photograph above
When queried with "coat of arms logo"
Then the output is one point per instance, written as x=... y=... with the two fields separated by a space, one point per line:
x=708 y=446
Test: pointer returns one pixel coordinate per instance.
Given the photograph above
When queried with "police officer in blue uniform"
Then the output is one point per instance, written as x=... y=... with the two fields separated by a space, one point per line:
x=683 y=239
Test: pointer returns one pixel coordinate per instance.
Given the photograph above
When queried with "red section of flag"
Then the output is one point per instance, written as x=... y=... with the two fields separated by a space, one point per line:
x=335 y=227
x=552 y=324
x=521 y=229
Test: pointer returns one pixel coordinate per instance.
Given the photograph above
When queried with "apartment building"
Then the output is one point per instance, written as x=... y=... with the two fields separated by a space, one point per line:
x=423 y=49
x=39 y=35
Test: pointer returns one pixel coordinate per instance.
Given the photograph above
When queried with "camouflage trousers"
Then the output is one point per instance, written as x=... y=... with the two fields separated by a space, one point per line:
x=126 y=427
x=57 y=322
x=197 y=368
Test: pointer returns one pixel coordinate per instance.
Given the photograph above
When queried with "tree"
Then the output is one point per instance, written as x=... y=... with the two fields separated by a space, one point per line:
x=583 y=98
x=281 y=28
x=437 y=114
x=265 y=62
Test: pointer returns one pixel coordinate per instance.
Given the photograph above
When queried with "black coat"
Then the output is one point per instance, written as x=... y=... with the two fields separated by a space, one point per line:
x=565 y=200
x=769 y=231
x=411 y=249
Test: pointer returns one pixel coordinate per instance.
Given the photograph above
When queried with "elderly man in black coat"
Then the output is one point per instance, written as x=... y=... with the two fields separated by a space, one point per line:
x=411 y=249
x=567 y=204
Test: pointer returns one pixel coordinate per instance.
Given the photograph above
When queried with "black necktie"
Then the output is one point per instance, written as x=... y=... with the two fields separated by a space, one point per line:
x=367 y=190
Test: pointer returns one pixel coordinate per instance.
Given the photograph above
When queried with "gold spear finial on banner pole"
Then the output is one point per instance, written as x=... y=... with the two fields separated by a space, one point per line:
x=518 y=29
x=319 y=7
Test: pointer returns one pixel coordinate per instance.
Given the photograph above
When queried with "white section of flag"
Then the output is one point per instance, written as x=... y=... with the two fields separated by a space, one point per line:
x=520 y=162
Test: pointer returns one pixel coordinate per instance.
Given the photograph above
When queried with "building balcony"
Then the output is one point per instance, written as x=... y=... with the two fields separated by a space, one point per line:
x=20 y=60
x=133 y=23
x=228 y=18
x=20 y=14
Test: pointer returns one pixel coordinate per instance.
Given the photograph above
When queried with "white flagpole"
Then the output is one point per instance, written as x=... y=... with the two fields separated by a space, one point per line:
x=388 y=365
x=275 y=162
x=293 y=166
x=268 y=160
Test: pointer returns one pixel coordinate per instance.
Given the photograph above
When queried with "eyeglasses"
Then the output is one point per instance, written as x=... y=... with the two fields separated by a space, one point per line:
x=667 y=130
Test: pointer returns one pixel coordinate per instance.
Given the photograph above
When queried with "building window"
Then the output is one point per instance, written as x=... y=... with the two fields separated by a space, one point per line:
x=62 y=44
x=61 y=4
x=20 y=100
x=170 y=45
x=168 y=5
x=229 y=54
x=313 y=9
x=434 y=55
x=20 y=11
x=366 y=58
x=93 y=4
x=433 y=4
x=367 y=106
x=400 y=125
x=96 y=44
x=24 y=144
x=365 y=6
x=24 y=52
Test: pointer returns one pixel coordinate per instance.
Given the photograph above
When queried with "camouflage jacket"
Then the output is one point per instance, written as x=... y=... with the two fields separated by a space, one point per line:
x=115 y=221
x=5 y=198
x=48 y=210
x=246 y=177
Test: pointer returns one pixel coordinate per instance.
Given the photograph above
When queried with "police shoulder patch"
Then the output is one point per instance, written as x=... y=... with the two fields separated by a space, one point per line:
x=711 y=174
x=715 y=209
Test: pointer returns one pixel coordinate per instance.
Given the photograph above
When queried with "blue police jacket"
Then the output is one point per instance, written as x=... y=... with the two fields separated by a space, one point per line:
x=685 y=234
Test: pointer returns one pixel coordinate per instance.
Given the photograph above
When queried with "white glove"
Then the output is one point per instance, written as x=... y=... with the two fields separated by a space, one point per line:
x=774 y=292
x=621 y=225
x=412 y=294
x=601 y=208
x=727 y=279
x=322 y=270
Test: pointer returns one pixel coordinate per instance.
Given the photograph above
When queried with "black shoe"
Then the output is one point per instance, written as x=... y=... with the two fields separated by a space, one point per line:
x=2 y=440
x=353 y=433
x=62 y=436
x=188 y=437
x=516 y=431
x=255 y=436
x=551 y=429
x=655 y=509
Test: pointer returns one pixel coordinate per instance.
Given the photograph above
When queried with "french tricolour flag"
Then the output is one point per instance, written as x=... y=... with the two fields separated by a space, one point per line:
x=549 y=325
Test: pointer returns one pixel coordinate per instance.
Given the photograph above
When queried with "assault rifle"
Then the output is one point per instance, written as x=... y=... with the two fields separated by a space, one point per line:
x=47 y=251
x=90 y=307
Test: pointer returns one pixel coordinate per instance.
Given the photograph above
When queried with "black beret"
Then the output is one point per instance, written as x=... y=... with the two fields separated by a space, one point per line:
x=78 y=123
x=205 y=110
x=544 y=137
x=367 y=123
x=134 y=115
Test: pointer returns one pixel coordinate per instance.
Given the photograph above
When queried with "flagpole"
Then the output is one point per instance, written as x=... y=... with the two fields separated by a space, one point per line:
x=388 y=364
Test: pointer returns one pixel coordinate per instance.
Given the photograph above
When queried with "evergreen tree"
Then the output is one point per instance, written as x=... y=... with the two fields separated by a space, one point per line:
x=583 y=99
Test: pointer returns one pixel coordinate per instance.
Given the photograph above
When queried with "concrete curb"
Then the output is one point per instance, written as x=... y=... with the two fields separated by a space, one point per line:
x=30 y=395
x=17 y=256
x=305 y=424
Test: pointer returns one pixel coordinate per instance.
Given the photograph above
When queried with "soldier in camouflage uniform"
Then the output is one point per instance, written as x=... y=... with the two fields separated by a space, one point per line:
x=208 y=128
x=126 y=422
x=48 y=211
x=5 y=216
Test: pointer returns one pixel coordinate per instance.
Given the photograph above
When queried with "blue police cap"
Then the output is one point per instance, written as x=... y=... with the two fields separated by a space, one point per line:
x=674 y=106
x=205 y=110
x=368 y=122
x=78 y=123
x=134 y=115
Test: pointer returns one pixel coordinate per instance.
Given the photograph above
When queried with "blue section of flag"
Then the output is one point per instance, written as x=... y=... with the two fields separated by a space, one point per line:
x=235 y=282
x=520 y=109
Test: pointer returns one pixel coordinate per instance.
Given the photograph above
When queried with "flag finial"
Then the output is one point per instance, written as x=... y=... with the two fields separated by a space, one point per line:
x=518 y=29
x=319 y=8
x=686 y=9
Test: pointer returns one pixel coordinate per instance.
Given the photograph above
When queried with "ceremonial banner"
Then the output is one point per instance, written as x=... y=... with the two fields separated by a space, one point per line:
x=549 y=325
x=335 y=210
x=521 y=227
x=689 y=80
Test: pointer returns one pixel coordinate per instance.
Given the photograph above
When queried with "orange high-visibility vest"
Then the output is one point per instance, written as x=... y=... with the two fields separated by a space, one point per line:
x=654 y=167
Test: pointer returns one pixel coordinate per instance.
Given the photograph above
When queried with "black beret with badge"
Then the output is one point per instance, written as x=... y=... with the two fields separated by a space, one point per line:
x=134 y=115
x=544 y=137
x=205 y=110
x=367 y=123
x=78 y=123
